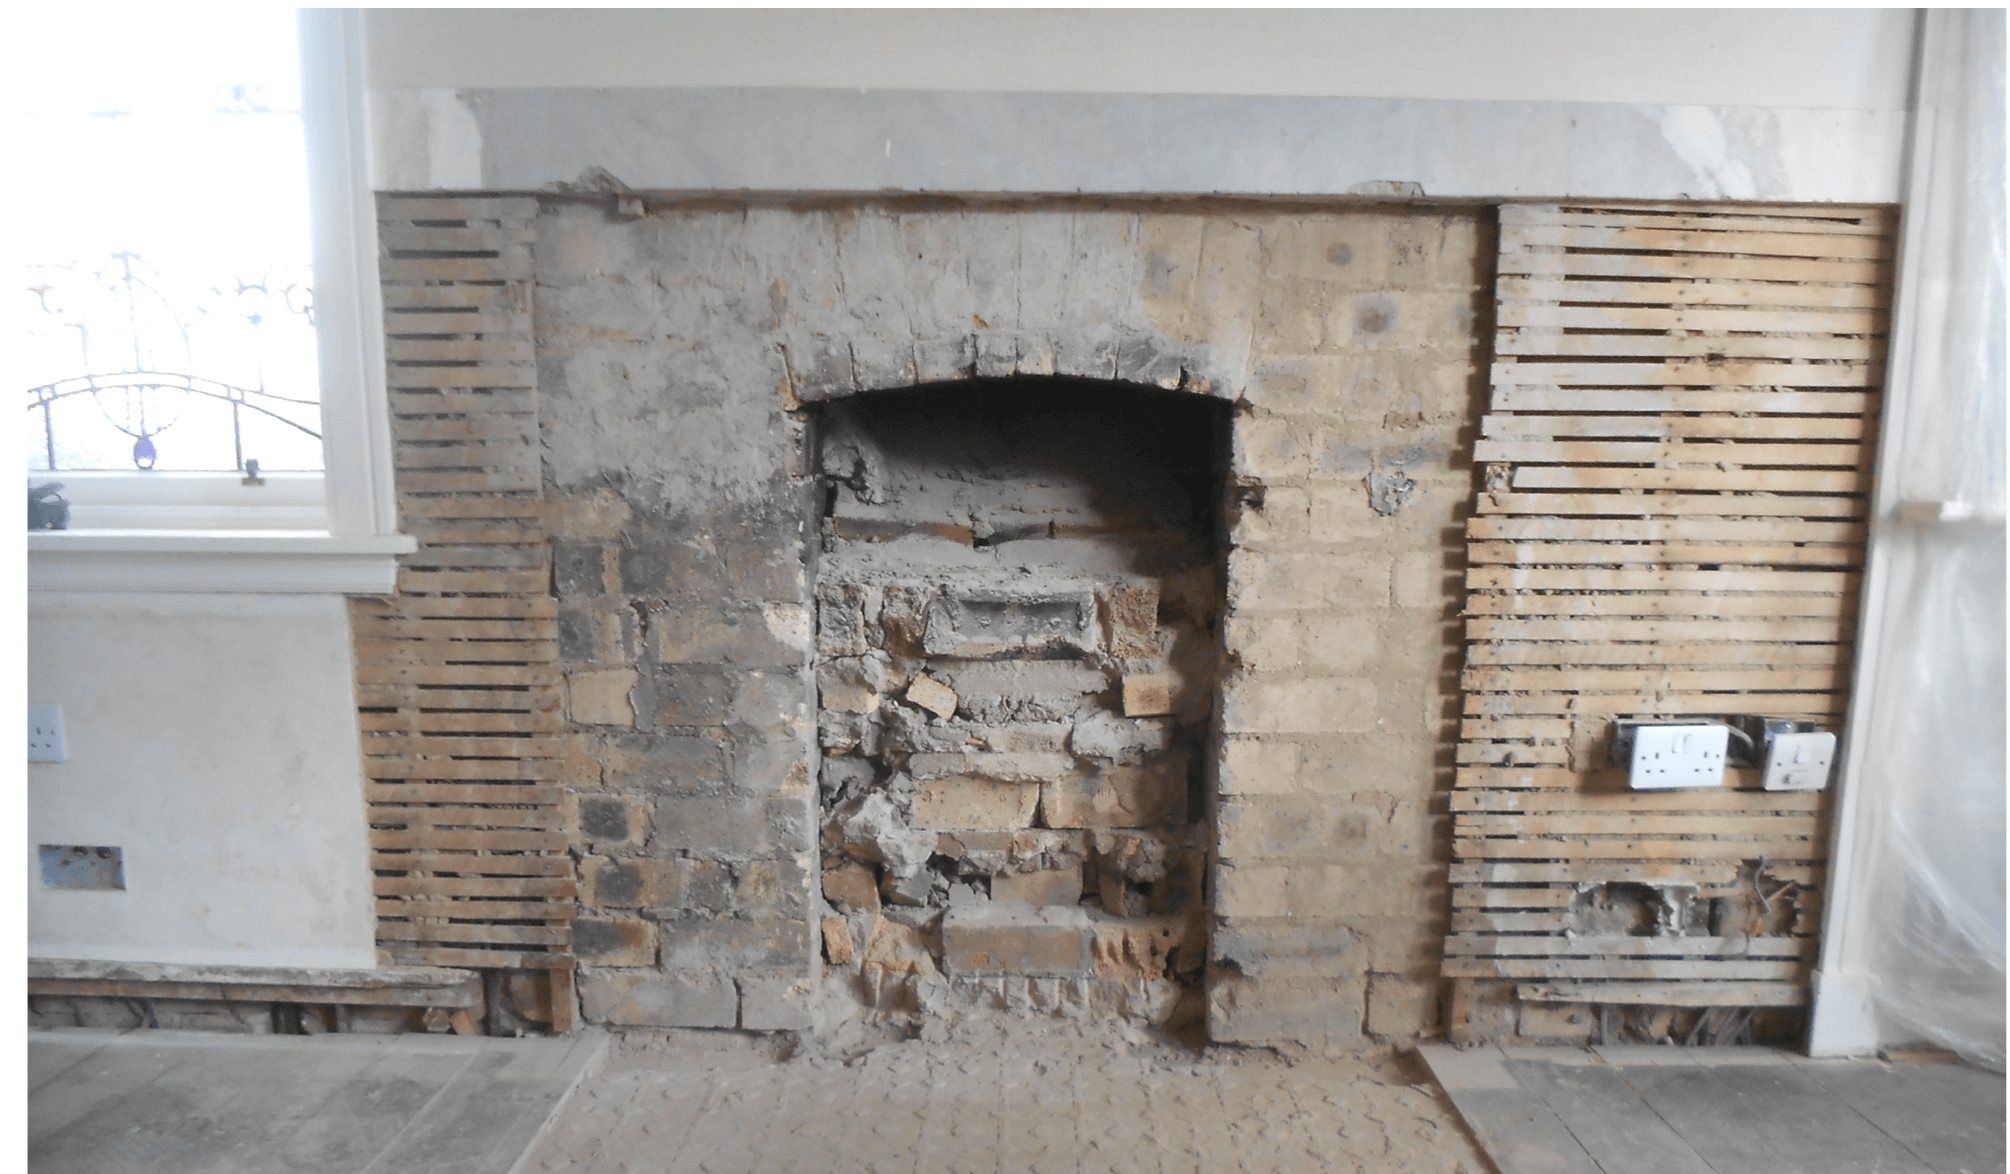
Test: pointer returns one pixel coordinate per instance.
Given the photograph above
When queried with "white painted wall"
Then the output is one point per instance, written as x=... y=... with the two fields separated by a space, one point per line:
x=1691 y=104
x=1827 y=59
x=214 y=739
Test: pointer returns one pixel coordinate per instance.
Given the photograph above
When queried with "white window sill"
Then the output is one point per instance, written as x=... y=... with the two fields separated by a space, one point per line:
x=258 y=561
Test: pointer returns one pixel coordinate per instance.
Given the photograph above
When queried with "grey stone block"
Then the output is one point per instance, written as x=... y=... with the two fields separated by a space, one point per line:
x=734 y=945
x=632 y=999
x=681 y=762
x=775 y=1002
x=603 y=817
x=579 y=568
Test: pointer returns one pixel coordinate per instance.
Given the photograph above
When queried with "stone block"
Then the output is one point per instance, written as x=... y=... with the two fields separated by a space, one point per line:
x=608 y=818
x=658 y=1000
x=933 y=696
x=1035 y=691
x=1246 y=1010
x=966 y=802
x=981 y=623
x=694 y=944
x=669 y=762
x=1267 y=448
x=1046 y=886
x=1278 y=518
x=1259 y=704
x=601 y=697
x=1252 y=767
x=579 y=568
x=624 y=884
x=1121 y=740
x=1421 y=580
x=574 y=516
x=1294 y=947
x=598 y=631
x=852 y=886
x=1152 y=794
x=732 y=823
x=1252 y=890
x=1006 y=938
x=1147 y=694
x=771 y=888
x=775 y=1002
x=606 y=942
x=773 y=701
x=1405 y=1007
x=1339 y=512
x=696 y=633
x=1295 y=826
x=1267 y=581
x=1132 y=611
x=689 y=695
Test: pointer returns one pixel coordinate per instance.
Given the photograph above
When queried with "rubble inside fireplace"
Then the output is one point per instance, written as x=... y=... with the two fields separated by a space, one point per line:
x=1018 y=639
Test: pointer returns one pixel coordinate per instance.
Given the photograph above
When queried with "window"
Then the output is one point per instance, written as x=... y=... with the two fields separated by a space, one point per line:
x=203 y=357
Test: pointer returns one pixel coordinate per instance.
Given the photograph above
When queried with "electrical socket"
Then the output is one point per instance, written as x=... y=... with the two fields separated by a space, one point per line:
x=45 y=734
x=1667 y=758
x=1799 y=761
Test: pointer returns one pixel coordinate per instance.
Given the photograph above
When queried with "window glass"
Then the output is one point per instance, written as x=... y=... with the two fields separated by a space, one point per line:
x=169 y=293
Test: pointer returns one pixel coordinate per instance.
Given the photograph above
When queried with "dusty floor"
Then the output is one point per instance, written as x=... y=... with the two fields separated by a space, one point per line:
x=1018 y=1097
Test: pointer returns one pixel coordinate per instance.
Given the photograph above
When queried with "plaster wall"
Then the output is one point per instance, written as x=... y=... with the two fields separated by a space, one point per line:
x=1789 y=105
x=213 y=738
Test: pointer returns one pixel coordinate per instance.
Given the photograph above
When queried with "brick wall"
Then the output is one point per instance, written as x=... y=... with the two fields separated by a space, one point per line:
x=675 y=353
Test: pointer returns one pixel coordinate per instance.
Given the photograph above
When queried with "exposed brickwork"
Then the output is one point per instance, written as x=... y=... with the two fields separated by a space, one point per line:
x=674 y=354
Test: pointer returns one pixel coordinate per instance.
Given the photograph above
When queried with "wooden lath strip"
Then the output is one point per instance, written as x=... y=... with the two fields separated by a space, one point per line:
x=457 y=679
x=1675 y=458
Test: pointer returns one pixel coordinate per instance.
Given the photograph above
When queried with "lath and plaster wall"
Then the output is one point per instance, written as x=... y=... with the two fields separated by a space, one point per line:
x=675 y=352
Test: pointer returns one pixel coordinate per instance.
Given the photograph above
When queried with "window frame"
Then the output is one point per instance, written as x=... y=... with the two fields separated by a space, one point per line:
x=197 y=532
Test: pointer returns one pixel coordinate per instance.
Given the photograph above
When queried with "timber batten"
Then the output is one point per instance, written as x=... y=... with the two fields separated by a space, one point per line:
x=457 y=684
x=1676 y=468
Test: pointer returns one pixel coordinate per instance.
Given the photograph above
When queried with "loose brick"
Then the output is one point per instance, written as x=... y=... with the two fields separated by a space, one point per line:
x=852 y=886
x=1147 y=694
x=837 y=941
x=1005 y=938
x=1133 y=615
x=933 y=696
x=602 y=942
x=601 y=697
x=897 y=949
x=961 y=802
x=658 y=1000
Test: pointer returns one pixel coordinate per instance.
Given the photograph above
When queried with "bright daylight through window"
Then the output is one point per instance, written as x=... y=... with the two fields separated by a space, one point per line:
x=169 y=354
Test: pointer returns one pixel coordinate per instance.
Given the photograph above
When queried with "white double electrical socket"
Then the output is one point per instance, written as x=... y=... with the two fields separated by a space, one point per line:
x=1668 y=758
x=1799 y=762
x=45 y=734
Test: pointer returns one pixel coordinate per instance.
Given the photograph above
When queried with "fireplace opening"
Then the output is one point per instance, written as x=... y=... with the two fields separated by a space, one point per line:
x=1019 y=606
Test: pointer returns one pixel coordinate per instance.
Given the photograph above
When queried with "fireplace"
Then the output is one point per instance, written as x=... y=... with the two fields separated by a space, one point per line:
x=1018 y=641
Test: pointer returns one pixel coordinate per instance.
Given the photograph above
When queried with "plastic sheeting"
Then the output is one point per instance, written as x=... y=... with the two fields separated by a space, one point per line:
x=1924 y=867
